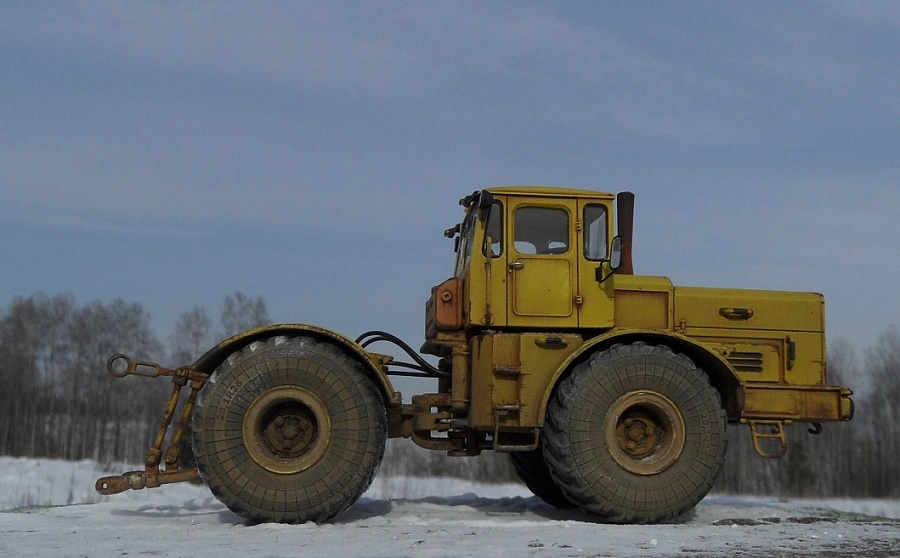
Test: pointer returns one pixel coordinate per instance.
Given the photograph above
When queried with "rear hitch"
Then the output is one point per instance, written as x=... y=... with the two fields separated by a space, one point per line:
x=153 y=474
x=138 y=480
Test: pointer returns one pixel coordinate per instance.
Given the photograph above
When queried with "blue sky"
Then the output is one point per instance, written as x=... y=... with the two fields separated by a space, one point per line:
x=313 y=153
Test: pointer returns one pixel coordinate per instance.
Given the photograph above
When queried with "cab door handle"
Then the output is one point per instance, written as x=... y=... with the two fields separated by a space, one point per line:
x=516 y=265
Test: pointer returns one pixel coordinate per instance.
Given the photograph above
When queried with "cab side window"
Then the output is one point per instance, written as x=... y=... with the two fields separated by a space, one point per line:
x=595 y=232
x=541 y=230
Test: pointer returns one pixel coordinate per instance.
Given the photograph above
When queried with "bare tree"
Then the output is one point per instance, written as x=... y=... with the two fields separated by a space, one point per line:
x=99 y=330
x=192 y=336
x=880 y=414
x=33 y=346
x=240 y=313
x=58 y=400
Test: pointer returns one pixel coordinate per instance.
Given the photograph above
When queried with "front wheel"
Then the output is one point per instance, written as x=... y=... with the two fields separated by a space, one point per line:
x=289 y=430
x=635 y=434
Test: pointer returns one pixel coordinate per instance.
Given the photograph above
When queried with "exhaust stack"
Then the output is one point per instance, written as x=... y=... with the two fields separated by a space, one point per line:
x=625 y=229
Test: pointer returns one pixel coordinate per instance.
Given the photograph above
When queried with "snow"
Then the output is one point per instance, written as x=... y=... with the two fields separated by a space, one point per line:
x=49 y=508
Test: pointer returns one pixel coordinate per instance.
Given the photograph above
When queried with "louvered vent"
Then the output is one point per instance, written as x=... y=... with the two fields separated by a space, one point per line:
x=746 y=362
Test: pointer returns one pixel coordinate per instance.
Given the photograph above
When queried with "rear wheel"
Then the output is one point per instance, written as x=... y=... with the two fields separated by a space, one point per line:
x=636 y=434
x=533 y=471
x=289 y=430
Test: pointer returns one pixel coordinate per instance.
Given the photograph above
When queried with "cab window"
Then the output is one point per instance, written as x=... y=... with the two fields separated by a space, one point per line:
x=464 y=247
x=595 y=232
x=541 y=230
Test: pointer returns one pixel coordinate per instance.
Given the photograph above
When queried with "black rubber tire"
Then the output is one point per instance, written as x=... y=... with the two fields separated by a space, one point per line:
x=533 y=471
x=680 y=424
x=289 y=430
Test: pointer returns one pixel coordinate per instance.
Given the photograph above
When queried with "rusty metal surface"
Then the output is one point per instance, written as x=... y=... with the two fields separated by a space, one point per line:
x=138 y=480
x=152 y=476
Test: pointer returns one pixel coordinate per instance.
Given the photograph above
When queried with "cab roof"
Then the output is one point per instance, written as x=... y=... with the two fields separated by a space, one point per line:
x=550 y=191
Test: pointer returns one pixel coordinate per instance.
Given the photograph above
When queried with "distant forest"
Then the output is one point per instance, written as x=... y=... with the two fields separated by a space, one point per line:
x=57 y=401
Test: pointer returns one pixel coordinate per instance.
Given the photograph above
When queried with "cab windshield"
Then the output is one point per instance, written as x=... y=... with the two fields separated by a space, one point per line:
x=464 y=246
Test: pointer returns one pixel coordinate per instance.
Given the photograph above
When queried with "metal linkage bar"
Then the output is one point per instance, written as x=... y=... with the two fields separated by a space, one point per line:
x=153 y=476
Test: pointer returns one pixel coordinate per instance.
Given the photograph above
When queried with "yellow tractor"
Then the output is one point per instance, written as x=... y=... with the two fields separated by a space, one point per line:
x=610 y=391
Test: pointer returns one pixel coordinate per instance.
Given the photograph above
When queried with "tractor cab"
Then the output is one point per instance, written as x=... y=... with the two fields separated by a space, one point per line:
x=535 y=258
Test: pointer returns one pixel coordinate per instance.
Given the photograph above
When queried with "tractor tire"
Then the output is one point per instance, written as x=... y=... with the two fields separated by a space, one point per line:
x=289 y=430
x=533 y=471
x=635 y=434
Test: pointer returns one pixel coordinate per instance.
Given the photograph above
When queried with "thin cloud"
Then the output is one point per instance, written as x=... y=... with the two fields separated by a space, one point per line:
x=749 y=134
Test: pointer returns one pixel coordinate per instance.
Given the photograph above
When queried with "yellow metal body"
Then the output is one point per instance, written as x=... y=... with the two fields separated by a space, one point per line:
x=534 y=291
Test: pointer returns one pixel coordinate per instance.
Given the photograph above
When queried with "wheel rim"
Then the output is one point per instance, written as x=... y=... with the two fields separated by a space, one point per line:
x=644 y=432
x=286 y=430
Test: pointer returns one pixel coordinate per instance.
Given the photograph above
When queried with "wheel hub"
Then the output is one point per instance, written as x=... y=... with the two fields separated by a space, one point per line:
x=637 y=435
x=644 y=432
x=290 y=433
x=286 y=429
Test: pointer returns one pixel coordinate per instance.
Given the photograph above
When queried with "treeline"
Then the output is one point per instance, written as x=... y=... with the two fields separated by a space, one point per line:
x=57 y=401
x=859 y=459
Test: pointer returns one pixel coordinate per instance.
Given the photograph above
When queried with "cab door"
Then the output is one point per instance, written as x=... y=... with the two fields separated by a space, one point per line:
x=542 y=263
x=596 y=304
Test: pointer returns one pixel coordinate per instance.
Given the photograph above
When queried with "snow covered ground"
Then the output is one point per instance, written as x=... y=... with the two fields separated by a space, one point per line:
x=49 y=508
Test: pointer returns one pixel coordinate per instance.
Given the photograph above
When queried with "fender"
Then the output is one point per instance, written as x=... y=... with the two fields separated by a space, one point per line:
x=373 y=368
x=721 y=374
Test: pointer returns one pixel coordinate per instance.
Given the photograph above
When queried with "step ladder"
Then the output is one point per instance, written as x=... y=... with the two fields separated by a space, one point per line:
x=763 y=430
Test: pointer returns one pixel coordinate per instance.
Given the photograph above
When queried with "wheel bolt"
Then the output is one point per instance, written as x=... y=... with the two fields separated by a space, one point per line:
x=290 y=431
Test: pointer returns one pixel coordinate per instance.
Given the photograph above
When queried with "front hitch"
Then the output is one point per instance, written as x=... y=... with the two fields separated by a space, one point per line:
x=153 y=475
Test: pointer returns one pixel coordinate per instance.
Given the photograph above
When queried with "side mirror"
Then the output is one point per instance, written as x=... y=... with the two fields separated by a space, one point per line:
x=453 y=231
x=485 y=200
x=615 y=260
x=615 y=253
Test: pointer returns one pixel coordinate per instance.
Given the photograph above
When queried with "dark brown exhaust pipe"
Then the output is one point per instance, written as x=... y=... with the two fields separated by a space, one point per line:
x=625 y=226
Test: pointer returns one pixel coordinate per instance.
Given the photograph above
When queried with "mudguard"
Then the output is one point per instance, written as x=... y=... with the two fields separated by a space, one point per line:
x=373 y=367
